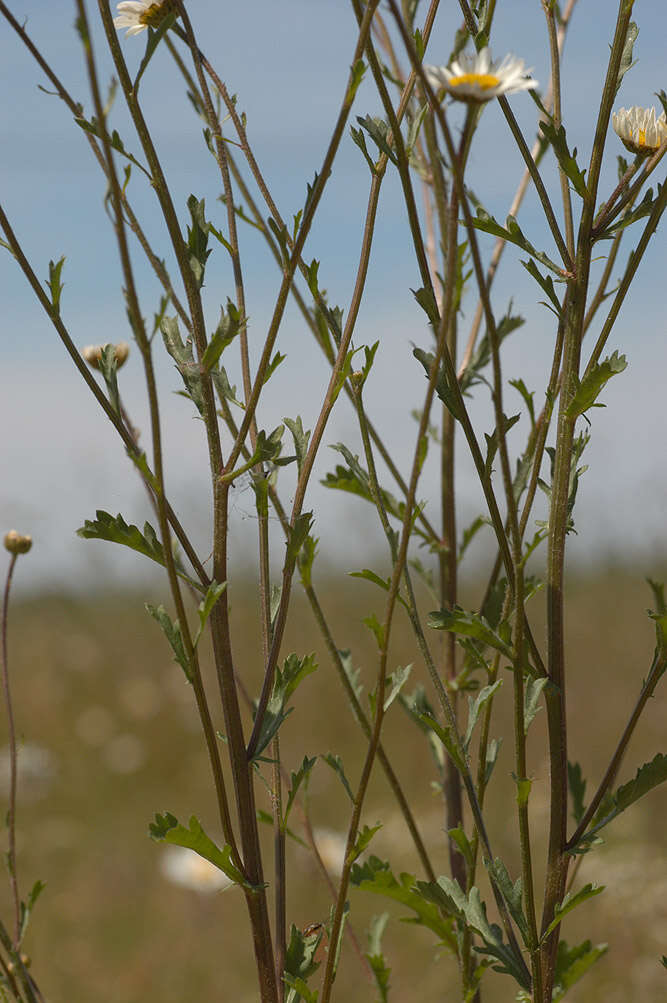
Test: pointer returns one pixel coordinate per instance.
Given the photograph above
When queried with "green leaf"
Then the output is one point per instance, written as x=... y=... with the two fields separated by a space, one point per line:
x=229 y=325
x=492 y=441
x=427 y=302
x=449 y=396
x=378 y=130
x=376 y=628
x=336 y=764
x=395 y=682
x=172 y=631
x=300 y=437
x=577 y=790
x=461 y=841
x=359 y=140
x=300 y=961
x=531 y=699
x=363 y=839
x=511 y=893
x=567 y=161
x=376 y=958
x=305 y=559
x=296 y=537
x=293 y=672
x=223 y=387
x=626 y=57
x=115 y=141
x=459 y=621
x=26 y=908
x=197 y=241
x=205 y=607
x=512 y=232
x=109 y=369
x=116 y=530
x=371 y=576
x=470 y=532
x=592 y=384
x=154 y=39
x=547 y=284
x=570 y=902
x=648 y=776
x=476 y=706
x=447 y=738
x=299 y=777
x=572 y=963
x=375 y=876
x=167 y=827
x=54 y=284
x=182 y=354
x=357 y=71
x=631 y=215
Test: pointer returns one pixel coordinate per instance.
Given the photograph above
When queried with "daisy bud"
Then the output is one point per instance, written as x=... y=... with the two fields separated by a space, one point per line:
x=16 y=543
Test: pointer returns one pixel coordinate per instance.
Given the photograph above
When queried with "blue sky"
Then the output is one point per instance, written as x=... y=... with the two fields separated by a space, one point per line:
x=288 y=65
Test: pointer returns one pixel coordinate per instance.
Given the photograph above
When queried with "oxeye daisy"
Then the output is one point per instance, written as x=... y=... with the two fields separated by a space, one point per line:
x=137 y=15
x=477 y=78
x=639 y=130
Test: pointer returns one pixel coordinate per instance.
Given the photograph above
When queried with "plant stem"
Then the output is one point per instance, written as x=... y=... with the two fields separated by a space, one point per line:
x=13 y=763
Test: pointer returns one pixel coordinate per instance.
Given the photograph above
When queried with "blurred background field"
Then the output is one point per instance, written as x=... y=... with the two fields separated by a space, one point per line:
x=110 y=736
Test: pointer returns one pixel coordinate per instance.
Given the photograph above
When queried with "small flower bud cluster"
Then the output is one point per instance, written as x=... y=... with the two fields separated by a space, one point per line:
x=16 y=543
x=93 y=353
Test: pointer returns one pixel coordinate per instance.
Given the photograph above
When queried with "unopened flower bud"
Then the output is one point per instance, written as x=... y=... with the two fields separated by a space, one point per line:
x=357 y=379
x=16 y=543
x=93 y=353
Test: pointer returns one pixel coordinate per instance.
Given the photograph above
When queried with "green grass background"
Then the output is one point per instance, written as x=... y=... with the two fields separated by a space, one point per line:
x=94 y=684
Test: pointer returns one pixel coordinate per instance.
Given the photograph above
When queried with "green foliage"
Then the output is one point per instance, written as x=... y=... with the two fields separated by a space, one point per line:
x=376 y=958
x=648 y=776
x=626 y=57
x=300 y=963
x=471 y=911
x=109 y=369
x=572 y=963
x=513 y=233
x=384 y=583
x=183 y=355
x=293 y=672
x=301 y=776
x=26 y=908
x=115 y=141
x=301 y=439
x=546 y=283
x=570 y=902
x=449 y=396
x=336 y=764
x=55 y=284
x=116 y=530
x=172 y=631
x=591 y=385
x=577 y=790
x=357 y=72
x=229 y=325
x=631 y=215
x=567 y=161
x=168 y=829
x=364 y=836
x=197 y=241
x=511 y=893
x=375 y=876
x=379 y=132
x=476 y=706
x=531 y=699
x=460 y=621
x=205 y=607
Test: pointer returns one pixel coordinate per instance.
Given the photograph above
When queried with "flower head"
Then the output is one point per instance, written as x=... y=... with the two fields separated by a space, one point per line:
x=17 y=543
x=93 y=354
x=476 y=78
x=137 y=15
x=639 y=130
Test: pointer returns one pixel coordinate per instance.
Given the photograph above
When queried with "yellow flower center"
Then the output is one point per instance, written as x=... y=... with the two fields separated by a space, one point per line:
x=484 y=80
x=156 y=12
x=642 y=138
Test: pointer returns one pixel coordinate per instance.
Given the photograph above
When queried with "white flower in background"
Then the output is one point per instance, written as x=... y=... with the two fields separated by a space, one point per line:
x=639 y=130
x=137 y=15
x=186 y=868
x=331 y=848
x=477 y=78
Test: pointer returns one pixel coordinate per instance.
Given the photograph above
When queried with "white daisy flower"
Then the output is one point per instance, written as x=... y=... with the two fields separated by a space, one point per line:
x=639 y=130
x=137 y=15
x=186 y=868
x=476 y=78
